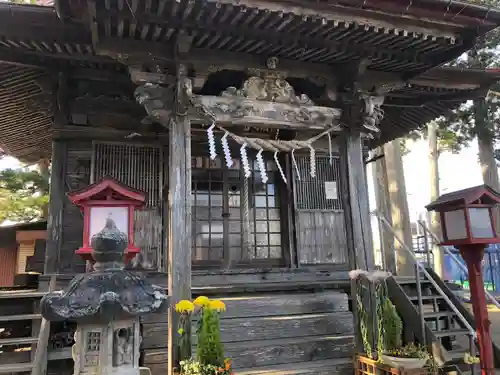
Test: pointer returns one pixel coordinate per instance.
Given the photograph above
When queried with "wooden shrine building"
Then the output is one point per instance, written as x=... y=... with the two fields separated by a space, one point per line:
x=247 y=125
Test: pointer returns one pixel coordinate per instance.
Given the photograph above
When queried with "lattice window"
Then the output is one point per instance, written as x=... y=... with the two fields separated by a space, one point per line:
x=92 y=348
x=140 y=167
x=321 y=192
x=221 y=196
x=319 y=217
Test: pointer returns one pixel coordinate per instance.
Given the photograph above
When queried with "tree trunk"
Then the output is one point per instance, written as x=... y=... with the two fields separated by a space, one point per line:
x=488 y=162
x=383 y=204
x=435 y=224
x=399 y=206
x=486 y=150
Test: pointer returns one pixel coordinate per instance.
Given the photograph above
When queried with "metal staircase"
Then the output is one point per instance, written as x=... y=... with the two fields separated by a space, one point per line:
x=432 y=313
x=431 y=320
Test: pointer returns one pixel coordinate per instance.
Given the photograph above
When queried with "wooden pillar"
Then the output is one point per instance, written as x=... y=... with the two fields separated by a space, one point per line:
x=179 y=198
x=57 y=198
x=357 y=210
x=57 y=189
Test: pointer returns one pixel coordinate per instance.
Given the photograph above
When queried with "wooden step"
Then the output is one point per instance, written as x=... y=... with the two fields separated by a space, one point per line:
x=11 y=318
x=18 y=340
x=15 y=367
x=29 y=293
x=452 y=332
x=58 y=354
x=326 y=367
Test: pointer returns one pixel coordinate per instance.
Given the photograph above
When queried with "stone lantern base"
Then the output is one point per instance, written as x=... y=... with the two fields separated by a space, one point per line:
x=107 y=349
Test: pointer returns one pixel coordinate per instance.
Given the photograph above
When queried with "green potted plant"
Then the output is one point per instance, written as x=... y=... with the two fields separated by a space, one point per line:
x=390 y=348
x=409 y=357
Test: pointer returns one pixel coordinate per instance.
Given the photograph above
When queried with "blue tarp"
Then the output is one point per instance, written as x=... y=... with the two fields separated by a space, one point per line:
x=491 y=269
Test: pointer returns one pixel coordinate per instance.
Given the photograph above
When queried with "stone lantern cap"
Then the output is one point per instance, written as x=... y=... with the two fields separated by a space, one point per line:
x=108 y=293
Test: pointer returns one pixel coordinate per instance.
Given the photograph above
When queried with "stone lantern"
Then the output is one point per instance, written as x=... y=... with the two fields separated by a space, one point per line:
x=106 y=305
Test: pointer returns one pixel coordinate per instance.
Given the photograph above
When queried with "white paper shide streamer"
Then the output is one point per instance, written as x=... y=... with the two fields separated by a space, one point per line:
x=227 y=152
x=211 y=142
x=312 y=155
x=262 y=167
x=276 y=160
x=294 y=162
x=330 y=151
x=244 y=160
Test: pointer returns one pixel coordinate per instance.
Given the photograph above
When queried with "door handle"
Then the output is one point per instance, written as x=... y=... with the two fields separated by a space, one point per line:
x=226 y=214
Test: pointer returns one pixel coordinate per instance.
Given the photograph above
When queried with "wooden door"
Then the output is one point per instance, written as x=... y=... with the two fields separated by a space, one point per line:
x=319 y=213
x=236 y=221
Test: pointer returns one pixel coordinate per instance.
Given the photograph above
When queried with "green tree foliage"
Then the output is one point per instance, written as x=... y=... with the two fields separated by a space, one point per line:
x=479 y=118
x=23 y=194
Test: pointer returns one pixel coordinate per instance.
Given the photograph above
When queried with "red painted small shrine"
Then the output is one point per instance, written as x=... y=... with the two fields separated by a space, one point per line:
x=107 y=199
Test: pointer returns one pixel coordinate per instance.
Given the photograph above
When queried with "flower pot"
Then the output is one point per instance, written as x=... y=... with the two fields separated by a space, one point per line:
x=406 y=363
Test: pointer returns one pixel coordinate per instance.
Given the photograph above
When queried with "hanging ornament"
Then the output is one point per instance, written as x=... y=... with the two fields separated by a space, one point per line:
x=294 y=162
x=262 y=166
x=244 y=160
x=279 y=167
x=312 y=156
x=330 y=148
x=211 y=142
x=227 y=152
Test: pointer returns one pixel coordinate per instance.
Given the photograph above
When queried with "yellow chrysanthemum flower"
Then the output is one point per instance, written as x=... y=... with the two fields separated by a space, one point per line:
x=217 y=305
x=202 y=301
x=184 y=306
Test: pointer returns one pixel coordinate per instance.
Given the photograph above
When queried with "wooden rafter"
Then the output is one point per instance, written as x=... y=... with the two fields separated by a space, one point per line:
x=361 y=49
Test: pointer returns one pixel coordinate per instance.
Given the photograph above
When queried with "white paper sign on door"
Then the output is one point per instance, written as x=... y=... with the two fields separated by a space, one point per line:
x=331 y=190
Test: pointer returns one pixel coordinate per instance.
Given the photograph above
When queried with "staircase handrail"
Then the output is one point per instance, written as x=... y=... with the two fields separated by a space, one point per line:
x=455 y=259
x=472 y=331
x=40 y=360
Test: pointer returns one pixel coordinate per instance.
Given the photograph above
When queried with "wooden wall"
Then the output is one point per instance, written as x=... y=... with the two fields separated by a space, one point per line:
x=272 y=330
x=76 y=176
x=76 y=171
x=318 y=227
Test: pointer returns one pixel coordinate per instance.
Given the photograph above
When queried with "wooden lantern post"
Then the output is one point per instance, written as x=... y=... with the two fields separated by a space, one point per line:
x=468 y=224
x=107 y=199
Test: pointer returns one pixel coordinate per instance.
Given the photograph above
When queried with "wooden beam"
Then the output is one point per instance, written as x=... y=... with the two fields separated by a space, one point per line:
x=356 y=204
x=101 y=105
x=422 y=100
x=57 y=198
x=89 y=74
x=91 y=132
x=205 y=60
x=46 y=29
x=179 y=196
x=295 y=38
x=202 y=58
x=46 y=59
